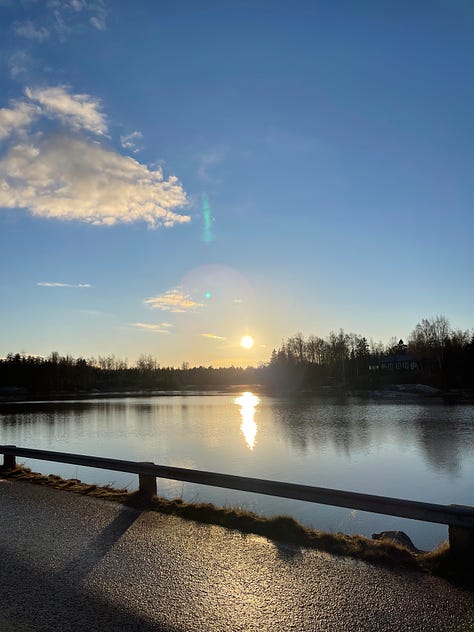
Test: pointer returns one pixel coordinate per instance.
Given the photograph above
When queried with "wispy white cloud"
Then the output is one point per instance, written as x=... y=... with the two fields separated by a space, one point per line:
x=168 y=325
x=157 y=329
x=98 y=22
x=56 y=175
x=58 y=284
x=60 y=18
x=173 y=301
x=16 y=118
x=98 y=19
x=77 y=111
x=19 y=63
x=132 y=141
x=30 y=31
x=77 y=5
x=213 y=336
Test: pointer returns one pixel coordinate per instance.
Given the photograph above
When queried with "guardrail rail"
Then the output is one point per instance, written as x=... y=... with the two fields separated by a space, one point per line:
x=460 y=519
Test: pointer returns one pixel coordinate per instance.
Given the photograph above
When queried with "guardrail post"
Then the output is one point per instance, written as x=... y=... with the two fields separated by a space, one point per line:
x=9 y=460
x=147 y=484
x=461 y=543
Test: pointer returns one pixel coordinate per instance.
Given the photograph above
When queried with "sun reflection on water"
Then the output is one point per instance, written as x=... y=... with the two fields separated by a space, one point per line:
x=248 y=403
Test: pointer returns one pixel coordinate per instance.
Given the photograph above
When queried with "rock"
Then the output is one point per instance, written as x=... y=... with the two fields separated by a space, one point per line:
x=399 y=537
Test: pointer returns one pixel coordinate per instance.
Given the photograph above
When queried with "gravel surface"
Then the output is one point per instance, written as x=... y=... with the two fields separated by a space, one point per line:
x=73 y=563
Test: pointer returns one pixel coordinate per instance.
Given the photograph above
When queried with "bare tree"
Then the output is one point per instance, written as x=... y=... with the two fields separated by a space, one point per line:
x=147 y=363
x=429 y=338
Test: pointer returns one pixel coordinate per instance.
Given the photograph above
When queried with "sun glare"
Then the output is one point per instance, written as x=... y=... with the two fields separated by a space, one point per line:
x=248 y=403
x=246 y=342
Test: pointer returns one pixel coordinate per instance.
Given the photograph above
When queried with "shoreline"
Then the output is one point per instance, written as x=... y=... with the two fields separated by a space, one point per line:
x=282 y=528
x=398 y=392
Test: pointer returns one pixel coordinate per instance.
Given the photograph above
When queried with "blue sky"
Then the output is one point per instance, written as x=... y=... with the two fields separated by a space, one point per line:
x=174 y=175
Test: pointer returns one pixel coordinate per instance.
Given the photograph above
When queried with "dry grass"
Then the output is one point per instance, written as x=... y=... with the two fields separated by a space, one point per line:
x=440 y=562
x=69 y=484
x=279 y=528
x=287 y=529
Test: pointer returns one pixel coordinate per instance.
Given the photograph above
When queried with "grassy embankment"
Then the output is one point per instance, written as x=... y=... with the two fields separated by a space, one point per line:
x=279 y=528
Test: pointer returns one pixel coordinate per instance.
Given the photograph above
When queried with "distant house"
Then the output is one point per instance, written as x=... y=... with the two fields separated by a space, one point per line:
x=400 y=360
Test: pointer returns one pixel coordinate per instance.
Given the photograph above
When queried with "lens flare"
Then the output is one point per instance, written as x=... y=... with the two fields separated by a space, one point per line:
x=207 y=220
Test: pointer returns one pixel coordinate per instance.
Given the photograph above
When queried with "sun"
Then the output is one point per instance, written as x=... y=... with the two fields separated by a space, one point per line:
x=246 y=342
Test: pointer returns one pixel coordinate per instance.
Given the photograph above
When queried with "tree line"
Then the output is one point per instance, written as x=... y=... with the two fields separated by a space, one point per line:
x=443 y=356
x=56 y=374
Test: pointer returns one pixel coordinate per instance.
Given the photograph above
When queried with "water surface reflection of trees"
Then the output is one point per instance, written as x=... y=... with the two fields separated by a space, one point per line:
x=446 y=436
x=443 y=434
x=351 y=427
x=309 y=423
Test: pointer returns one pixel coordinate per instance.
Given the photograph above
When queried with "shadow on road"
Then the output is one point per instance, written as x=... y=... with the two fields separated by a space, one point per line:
x=79 y=567
x=288 y=552
x=58 y=601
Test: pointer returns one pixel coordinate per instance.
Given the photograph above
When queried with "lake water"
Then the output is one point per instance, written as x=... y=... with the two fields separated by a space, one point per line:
x=416 y=450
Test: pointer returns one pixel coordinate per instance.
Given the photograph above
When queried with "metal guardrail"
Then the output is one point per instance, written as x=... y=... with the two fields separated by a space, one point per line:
x=452 y=515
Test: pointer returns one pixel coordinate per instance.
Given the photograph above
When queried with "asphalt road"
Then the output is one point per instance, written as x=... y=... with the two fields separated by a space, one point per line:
x=72 y=563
